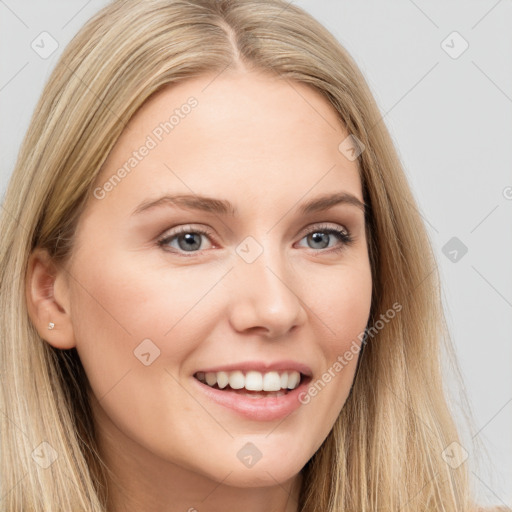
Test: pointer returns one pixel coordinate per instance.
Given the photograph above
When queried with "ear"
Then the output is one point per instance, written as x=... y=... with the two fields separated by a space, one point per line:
x=47 y=294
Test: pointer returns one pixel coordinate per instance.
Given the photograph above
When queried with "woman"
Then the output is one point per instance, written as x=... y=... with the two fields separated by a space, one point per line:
x=224 y=296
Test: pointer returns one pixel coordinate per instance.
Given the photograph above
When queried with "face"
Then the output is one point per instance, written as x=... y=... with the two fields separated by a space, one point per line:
x=256 y=283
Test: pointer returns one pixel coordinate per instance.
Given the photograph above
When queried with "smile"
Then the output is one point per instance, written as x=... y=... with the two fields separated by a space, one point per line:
x=252 y=394
x=278 y=382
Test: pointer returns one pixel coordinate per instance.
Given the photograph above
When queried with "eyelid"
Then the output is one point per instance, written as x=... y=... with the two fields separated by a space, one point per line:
x=319 y=226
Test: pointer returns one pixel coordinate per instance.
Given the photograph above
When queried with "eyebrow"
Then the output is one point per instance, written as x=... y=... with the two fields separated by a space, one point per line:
x=224 y=207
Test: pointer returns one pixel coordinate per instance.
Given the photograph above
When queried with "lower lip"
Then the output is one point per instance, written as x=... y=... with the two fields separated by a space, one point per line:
x=259 y=409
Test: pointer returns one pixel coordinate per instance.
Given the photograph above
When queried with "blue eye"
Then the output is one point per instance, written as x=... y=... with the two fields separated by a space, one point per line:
x=321 y=238
x=189 y=240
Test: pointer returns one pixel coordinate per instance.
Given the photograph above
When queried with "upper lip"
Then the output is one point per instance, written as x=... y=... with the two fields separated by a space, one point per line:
x=261 y=366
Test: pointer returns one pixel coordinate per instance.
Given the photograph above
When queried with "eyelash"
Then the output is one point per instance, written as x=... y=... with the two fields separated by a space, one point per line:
x=343 y=235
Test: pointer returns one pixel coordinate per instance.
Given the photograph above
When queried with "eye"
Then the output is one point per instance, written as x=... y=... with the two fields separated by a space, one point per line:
x=188 y=239
x=185 y=239
x=325 y=237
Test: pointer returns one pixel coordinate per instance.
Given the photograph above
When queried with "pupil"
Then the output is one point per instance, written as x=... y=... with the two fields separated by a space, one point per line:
x=320 y=238
x=190 y=242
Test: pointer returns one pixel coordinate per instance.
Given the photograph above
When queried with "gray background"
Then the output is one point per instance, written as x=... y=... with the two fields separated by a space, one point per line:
x=450 y=117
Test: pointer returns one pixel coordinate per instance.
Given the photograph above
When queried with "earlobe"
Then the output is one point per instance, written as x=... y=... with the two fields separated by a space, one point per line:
x=47 y=300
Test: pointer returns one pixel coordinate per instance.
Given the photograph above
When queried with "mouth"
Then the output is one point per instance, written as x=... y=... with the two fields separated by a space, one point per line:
x=253 y=384
x=253 y=395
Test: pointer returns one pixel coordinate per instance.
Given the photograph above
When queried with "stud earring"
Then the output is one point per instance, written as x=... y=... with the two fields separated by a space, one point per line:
x=51 y=325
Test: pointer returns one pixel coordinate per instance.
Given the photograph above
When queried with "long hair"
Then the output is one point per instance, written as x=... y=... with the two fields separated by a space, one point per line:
x=385 y=451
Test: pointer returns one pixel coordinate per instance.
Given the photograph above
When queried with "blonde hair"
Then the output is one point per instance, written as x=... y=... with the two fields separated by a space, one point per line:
x=385 y=449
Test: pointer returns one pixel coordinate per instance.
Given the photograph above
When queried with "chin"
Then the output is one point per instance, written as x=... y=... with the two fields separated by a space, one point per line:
x=262 y=474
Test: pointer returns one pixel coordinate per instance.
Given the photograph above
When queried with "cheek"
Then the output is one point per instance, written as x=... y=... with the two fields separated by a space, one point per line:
x=341 y=302
x=121 y=315
x=343 y=310
x=134 y=331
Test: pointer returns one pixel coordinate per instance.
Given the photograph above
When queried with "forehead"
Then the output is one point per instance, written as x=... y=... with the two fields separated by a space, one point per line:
x=233 y=132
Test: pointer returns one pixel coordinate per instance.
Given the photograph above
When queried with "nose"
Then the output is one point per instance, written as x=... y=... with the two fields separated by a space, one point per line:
x=265 y=301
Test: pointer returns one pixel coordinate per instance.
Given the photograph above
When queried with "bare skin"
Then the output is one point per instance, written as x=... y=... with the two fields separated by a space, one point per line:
x=267 y=148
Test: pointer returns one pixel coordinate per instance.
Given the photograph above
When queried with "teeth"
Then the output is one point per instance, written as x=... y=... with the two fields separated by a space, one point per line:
x=236 y=380
x=293 y=380
x=222 y=379
x=271 y=382
x=211 y=379
x=252 y=380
